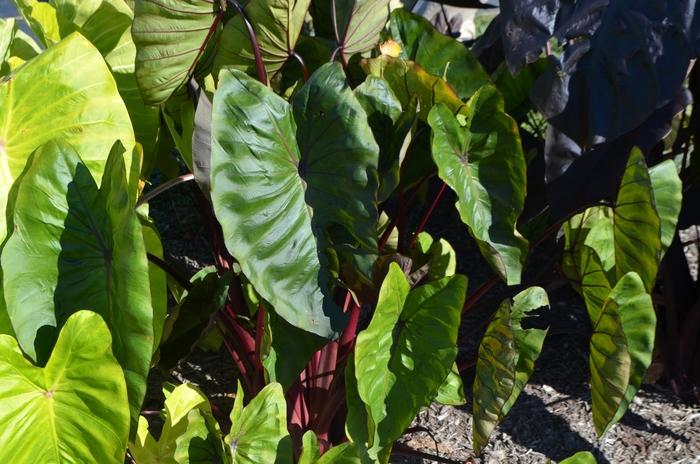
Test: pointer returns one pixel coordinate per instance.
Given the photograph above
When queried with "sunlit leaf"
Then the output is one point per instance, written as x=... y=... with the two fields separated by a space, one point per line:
x=484 y=164
x=307 y=173
x=76 y=247
x=74 y=409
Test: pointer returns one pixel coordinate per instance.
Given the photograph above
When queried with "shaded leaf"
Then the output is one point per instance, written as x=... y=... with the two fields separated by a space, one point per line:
x=76 y=247
x=628 y=59
x=187 y=322
x=171 y=36
x=201 y=142
x=16 y=47
x=409 y=80
x=484 y=164
x=290 y=350
x=74 y=409
x=391 y=126
x=507 y=356
x=277 y=24
x=355 y=26
x=437 y=53
x=278 y=163
x=668 y=197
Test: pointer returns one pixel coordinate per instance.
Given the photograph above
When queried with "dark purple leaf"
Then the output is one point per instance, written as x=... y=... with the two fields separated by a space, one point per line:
x=576 y=177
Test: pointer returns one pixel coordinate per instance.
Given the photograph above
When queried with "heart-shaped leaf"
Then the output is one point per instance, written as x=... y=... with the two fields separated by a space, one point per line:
x=354 y=24
x=76 y=247
x=171 y=36
x=291 y=182
x=627 y=236
x=74 y=409
x=277 y=24
x=483 y=163
x=507 y=356
x=410 y=331
x=86 y=113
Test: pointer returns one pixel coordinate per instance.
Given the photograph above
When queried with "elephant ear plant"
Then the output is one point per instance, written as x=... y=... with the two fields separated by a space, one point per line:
x=318 y=139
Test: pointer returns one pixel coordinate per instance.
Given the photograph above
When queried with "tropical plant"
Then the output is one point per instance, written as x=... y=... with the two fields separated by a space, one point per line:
x=315 y=133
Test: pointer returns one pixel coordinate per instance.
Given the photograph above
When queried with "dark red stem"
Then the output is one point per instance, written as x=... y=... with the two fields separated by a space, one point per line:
x=259 y=64
x=426 y=216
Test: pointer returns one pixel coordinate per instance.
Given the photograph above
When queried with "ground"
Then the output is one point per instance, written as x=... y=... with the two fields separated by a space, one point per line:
x=550 y=420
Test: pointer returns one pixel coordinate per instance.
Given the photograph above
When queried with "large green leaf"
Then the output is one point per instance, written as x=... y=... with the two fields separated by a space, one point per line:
x=290 y=182
x=190 y=433
x=259 y=430
x=621 y=349
x=483 y=163
x=76 y=247
x=507 y=356
x=437 y=53
x=627 y=236
x=47 y=98
x=409 y=80
x=406 y=352
x=107 y=24
x=391 y=126
x=355 y=25
x=73 y=410
x=277 y=24
x=171 y=36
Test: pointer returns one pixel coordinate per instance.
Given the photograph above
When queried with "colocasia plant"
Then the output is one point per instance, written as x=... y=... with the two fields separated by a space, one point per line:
x=319 y=137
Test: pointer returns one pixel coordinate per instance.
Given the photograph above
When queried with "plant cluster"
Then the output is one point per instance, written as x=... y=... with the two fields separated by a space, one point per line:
x=311 y=131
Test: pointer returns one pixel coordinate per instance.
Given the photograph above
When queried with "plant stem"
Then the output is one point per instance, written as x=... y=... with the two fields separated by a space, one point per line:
x=472 y=300
x=259 y=64
x=426 y=216
x=145 y=198
x=402 y=450
x=171 y=271
x=300 y=60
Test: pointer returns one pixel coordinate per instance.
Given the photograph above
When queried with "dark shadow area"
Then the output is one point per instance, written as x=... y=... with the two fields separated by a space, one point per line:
x=545 y=432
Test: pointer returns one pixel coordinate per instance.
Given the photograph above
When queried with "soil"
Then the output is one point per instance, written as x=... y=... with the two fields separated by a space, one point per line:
x=550 y=420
